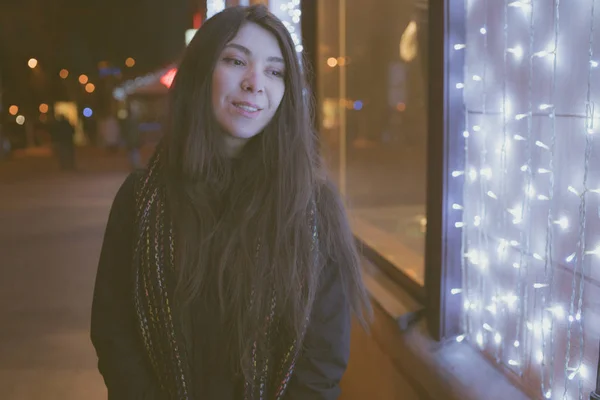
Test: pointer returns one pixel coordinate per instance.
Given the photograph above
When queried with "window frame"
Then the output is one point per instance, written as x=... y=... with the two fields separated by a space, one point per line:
x=446 y=116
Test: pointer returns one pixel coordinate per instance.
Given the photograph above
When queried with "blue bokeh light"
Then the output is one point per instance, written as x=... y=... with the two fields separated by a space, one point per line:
x=87 y=112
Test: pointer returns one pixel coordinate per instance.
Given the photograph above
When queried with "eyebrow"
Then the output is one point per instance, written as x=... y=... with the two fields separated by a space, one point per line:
x=247 y=51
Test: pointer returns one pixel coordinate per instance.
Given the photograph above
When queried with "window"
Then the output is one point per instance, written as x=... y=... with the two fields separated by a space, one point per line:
x=523 y=188
x=372 y=110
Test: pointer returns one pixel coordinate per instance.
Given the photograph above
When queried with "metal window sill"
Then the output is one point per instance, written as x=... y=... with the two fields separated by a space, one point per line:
x=449 y=370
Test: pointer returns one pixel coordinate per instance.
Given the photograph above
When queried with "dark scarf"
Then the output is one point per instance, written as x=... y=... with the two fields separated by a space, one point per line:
x=153 y=299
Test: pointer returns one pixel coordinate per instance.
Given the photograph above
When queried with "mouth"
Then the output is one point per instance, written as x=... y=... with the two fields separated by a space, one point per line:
x=247 y=107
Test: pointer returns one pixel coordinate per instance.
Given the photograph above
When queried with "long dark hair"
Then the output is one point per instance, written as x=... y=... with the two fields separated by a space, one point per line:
x=250 y=229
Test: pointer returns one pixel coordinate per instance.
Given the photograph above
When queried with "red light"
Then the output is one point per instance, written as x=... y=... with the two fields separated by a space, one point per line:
x=197 y=20
x=167 y=78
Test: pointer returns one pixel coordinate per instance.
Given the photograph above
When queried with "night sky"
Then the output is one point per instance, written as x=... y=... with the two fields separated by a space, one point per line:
x=78 y=34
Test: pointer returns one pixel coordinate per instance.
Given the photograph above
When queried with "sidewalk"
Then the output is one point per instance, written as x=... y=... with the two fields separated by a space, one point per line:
x=40 y=162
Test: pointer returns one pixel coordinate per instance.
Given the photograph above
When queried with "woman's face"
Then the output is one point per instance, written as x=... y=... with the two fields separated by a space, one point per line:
x=248 y=82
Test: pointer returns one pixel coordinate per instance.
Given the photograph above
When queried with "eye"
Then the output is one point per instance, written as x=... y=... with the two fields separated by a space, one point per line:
x=234 y=61
x=276 y=73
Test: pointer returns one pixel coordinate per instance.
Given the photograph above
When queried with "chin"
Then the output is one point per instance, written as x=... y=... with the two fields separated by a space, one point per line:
x=243 y=134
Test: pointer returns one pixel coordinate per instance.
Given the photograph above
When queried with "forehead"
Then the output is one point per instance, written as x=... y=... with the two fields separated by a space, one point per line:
x=258 y=40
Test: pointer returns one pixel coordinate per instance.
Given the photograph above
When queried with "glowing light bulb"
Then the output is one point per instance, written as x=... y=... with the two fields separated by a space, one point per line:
x=539 y=356
x=479 y=339
x=517 y=213
x=511 y=299
x=530 y=191
x=519 y=117
x=502 y=246
x=492 y=309
x=517 y=51
x=486 y=173
x=520 y=4
x=594 y=251
x=563 y=222
x=497 y=338
x=558 y=311
x=472 y=174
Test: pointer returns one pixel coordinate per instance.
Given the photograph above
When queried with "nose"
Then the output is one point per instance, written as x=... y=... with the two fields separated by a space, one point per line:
x=253 y=82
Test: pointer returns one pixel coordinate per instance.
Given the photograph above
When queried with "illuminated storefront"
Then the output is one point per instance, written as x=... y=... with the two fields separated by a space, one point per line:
x=514 y=181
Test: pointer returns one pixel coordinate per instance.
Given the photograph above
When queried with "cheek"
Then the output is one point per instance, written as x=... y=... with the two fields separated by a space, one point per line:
x=219 y=86
x=277 y=98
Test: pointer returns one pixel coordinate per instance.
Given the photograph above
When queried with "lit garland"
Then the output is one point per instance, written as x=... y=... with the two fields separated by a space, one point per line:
x=528 y=186
x=214 y=7
x=289 y=12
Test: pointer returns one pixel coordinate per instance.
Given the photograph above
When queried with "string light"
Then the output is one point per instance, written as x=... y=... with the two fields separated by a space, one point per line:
x=289 y=12
x=214 y=7
x=526 y=195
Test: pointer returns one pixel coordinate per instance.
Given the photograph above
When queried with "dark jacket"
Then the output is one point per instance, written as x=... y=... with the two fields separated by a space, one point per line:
x=121 y=356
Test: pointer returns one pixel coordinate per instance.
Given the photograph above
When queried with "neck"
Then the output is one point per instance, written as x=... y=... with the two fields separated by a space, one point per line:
x=234 y=146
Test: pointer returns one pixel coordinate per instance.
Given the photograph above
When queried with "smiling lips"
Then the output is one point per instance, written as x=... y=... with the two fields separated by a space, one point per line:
x=247 y=109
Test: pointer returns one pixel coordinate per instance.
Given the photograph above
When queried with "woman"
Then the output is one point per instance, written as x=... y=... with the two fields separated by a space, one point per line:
x=228 y=270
